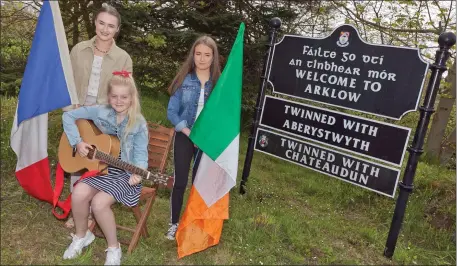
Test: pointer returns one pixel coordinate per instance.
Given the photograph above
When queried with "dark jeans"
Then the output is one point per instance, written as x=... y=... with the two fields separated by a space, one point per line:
x=183 y=150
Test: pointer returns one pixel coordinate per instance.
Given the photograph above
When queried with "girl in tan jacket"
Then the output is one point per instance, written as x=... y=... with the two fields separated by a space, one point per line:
x=93 y=62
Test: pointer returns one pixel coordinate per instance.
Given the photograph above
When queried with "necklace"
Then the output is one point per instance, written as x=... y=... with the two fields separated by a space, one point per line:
x=99 y=49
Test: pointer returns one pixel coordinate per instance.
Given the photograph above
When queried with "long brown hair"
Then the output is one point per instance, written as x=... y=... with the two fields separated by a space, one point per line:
x=188 y=66
x=134 y=111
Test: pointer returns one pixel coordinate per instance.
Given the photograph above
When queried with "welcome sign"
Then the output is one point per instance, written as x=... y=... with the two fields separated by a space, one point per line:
x=343 y=70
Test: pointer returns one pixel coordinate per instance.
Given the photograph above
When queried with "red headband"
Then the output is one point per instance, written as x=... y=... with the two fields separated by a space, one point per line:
x=123 y=73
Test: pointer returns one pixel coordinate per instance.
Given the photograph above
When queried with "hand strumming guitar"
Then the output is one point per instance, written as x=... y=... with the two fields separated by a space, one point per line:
x=83 y=148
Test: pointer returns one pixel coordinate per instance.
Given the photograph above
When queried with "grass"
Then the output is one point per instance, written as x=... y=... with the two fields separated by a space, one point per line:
x=290 y=215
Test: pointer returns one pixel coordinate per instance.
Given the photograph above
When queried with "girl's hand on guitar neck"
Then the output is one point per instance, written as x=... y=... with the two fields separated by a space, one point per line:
x=83 y=148
x=134 y=179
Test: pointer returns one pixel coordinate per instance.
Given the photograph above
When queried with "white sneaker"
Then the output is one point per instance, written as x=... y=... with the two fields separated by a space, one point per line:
x=170 y=235
x=113 y=256
x=77 y=245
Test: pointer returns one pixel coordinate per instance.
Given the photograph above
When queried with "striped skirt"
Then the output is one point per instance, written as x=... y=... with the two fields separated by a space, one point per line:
x=116 y=183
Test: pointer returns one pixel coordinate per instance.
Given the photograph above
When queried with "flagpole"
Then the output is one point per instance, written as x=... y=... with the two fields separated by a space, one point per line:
x=275 y=24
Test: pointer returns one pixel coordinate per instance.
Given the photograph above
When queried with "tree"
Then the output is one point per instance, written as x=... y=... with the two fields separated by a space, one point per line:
x=18 y=24
x=439 y=144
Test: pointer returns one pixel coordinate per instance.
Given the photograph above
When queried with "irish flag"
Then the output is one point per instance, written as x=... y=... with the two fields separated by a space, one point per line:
x=47 y=85
x=216 y=132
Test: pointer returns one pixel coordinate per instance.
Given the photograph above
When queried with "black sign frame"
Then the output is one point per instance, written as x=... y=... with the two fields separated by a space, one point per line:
x=403 y=152
x=397 y=171
x=352 y=29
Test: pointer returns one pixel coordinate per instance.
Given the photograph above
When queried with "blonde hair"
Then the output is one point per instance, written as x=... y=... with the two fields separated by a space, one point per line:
x=188 y=66
x=134 y=111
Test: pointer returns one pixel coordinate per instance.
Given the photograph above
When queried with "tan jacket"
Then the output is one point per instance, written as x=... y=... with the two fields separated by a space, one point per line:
x=82 y=57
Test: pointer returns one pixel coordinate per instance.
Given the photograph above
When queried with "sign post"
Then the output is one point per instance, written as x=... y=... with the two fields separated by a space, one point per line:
x=275 y=23
x=344 y=71
x=446 y=40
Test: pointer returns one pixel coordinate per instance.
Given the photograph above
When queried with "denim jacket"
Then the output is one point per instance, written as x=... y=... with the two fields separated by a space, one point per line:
x=182 y=107
x=134 y=147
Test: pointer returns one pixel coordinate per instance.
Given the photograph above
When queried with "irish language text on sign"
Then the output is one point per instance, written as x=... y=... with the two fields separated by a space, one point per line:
x=343 y=70
x=375 y=177
x=378 y=140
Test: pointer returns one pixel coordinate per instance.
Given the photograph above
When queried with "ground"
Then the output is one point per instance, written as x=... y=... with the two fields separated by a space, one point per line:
x=290 y=215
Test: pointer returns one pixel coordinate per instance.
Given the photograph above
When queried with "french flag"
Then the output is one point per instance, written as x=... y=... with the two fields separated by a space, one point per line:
x=47 y=85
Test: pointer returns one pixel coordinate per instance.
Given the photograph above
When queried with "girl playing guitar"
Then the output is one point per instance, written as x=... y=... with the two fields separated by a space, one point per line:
x=122 y=117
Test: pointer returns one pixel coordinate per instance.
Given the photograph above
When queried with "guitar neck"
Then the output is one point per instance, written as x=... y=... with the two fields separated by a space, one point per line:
x=120 y=164
x=155 y=177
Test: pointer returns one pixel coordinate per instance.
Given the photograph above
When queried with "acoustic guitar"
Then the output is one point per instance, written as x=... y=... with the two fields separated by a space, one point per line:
x=105 y=151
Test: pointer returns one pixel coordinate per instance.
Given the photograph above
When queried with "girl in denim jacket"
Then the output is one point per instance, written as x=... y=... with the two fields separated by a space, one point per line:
x=121 y=117
x=189 y=91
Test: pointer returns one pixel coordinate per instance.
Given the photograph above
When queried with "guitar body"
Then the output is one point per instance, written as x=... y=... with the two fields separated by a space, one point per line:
x=72 y=162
